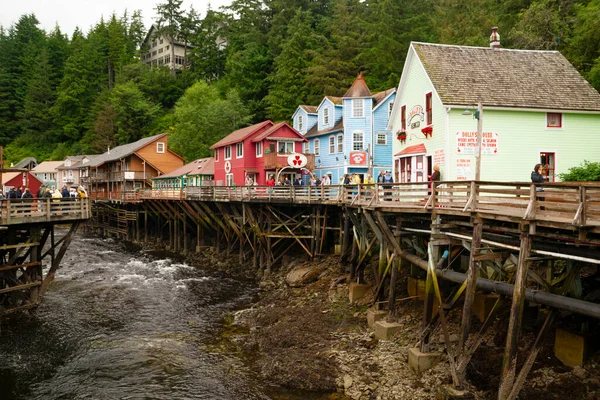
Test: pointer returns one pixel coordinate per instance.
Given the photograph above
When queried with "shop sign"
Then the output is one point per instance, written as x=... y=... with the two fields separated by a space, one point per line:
x=358 y=158
x=227 y=166
x=466 y=143
x=415 y=116
x=463 y=169
x=129 y=175
x=297 y=160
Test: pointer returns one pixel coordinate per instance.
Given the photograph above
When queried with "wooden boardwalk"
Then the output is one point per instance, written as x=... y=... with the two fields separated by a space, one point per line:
x=31 y=211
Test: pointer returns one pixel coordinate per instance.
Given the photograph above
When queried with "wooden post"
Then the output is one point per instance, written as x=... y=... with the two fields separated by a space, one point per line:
x=471 y=284
x=146 y=226
x=396 y=265
x=185 y=241
x=346 y=241
x=137 y=225
x=509 y=367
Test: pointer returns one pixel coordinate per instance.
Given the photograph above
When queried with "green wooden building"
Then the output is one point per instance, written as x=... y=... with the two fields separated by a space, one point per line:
x=199 y=172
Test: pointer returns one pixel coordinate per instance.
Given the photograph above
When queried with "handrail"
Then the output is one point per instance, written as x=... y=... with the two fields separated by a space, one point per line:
x=566 y=203
x=18 y=211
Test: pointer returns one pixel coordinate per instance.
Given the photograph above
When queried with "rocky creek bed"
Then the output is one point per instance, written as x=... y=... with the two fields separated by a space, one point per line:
x=309 y=337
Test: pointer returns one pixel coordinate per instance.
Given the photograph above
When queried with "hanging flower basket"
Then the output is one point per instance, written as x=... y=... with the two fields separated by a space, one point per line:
x=427 y=131
x=401 y=136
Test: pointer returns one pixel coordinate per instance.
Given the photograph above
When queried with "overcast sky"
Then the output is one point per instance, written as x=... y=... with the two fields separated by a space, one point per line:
x=85 y=13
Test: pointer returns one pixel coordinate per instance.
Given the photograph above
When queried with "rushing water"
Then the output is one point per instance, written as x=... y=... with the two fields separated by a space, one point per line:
x=118 y=324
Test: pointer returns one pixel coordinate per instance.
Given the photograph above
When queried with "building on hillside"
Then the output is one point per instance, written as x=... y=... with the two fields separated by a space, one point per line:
x=47 y=172
x=199 y=172
x=69 y=173
x=258 y=151
x=17 y=179
x=536 y=109
x=349 y=134
x=129 y=167
x=160 y=51
x=27 y=163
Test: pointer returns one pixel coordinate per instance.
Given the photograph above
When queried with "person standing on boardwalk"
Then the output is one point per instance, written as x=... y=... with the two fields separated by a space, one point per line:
x=537 y=175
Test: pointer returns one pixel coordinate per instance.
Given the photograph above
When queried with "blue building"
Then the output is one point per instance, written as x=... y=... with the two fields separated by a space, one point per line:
x=349 y=134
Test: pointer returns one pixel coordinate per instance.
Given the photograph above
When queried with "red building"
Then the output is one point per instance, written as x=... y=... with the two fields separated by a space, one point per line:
x=259 y=151
x=17 y=179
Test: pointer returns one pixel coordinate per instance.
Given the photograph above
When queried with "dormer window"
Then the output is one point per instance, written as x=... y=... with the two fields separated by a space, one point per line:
x=300 y=122
x=357 y=108
x=160 y=147
x=553 y=120
x=390 y=107
x=326 y=116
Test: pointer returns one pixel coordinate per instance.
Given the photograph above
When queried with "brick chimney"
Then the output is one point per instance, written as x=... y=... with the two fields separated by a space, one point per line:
x=495 y=38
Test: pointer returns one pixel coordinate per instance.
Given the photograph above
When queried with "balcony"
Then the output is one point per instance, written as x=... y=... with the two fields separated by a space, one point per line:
x=116 y=176
x=279 y=160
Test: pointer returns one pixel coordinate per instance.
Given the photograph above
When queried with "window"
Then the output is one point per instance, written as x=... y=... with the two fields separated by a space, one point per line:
x=228 y=179
x=227 y=152
x=285 y=147
x=428 y=108
x=239 y=150
x=553 y=120
x=331 y=144
x=306 y=147
x=160 y=147
x=300 y=122
x=179 y=60
x=326 y=116
x=357 y=141
x=161 y=41
x=160 y=50
x=403 y=118
x=259 y=149
x=390 y=107
x=216 y=154
x=381 y=138
x=340 y=143
x=548 y=161
x=167 y=48
x=317 y=147
x=357 y=108
x=168 y=59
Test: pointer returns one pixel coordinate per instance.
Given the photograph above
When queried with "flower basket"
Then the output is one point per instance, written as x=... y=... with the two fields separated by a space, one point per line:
x=428 y=131
x=401 y=136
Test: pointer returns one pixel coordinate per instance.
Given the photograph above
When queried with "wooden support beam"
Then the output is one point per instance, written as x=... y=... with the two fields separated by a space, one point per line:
x=20 y=287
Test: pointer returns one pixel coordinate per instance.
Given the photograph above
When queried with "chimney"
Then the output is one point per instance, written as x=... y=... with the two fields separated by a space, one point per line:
x=108 y=150
x=495 y=38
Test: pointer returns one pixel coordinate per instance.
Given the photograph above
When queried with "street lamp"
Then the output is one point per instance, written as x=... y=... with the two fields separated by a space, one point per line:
x=478 y=115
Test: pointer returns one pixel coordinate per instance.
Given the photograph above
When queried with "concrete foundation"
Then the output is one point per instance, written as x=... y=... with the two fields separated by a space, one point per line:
x=570 y=348
x=420 y=362
x=483 y=304
x=386 y=330
x=357 y=290
x=374 y=316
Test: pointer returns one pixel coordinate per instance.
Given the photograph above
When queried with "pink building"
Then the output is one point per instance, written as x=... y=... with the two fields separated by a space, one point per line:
x=258 y=151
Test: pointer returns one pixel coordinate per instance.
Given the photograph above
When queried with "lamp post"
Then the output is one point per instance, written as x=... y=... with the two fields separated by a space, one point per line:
x=479 y=116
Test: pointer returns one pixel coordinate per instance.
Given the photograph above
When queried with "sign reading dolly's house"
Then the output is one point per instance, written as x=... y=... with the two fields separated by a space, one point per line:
x=466 y=143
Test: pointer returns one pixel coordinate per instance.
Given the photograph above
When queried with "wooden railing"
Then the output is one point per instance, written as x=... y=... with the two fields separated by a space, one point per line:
x=19 y=211
x=573 y=204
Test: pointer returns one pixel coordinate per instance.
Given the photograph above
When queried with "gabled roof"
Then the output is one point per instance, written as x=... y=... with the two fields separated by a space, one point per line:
x=74 y=161
x=532 y=79
x=416 y=149
x=379 y=97
x=24 y=162
x=359 y=88
x=339 y=126
x=7 y=176
x=272 y=131
x=123 y=150
x=47 y=167
x=309 y=109
x=335 y=100
x=201 y=166
x=241 y=134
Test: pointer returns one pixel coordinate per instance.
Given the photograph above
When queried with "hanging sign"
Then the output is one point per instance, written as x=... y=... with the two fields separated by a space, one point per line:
x=358 y=158
x=463 y=169
x=415 y=116
x=227 y=166
x=297 y=160
x=129 y=175
x=466 y=143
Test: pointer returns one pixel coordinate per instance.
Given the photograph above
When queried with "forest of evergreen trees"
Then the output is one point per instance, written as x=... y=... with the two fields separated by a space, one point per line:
x=63 y=95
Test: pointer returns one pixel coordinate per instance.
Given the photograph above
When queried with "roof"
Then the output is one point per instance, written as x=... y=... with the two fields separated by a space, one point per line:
x=272 y=130
x=7 y=176
x=47 y=167
x=359 y=88
x=201 y=166
x=335 y=100
x=74 y=161
x=241 y=134
x=309 y=109
x=314 y=131
x=122 y=151
x=381 y=96
x=416 y=149
x=25 y=162
x=464 y=75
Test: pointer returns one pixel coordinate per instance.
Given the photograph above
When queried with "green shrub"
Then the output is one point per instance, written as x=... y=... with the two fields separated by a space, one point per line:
x=587 y=172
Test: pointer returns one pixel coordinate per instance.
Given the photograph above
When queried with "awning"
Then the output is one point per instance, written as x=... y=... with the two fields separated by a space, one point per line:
x=416 y=149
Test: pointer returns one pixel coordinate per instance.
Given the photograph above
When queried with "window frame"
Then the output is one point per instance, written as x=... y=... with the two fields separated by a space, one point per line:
x=403 y=118
x=355 y=103
x=229 y=181
x=326 y=116
x=300 y=122
x=259 y=149
x=216 y=154
x=306 y=147
x=340 y=144
x=549 y=155
x=429 y=108
x=355 y=142
x=379 y=135
x=390 y=108
x=239 y=150
x=332 y=144
x=227 y=149
x=317 y=147
x=160 y=147
x=561 y=120
x=285 y=147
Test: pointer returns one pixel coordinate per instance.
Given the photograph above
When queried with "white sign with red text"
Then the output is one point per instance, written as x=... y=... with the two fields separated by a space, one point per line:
x=463 y=169
x=439 y=157
x=466 y=143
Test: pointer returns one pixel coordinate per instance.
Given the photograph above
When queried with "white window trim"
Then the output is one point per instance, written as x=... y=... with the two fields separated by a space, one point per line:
x=160 y=147
x=340 y=143
x=362 y=108
x=238 y=146
x=362 y=145
x=286 y=141
x=259 y=149
x=332 y=144
x=306 y=147
x=390 y=108
x=225 y=152
x=326 y=116
x=384 y=134
x=300 y=122
x=226 y=179
x=217 y=154
x=317 y=147
x=562 y=122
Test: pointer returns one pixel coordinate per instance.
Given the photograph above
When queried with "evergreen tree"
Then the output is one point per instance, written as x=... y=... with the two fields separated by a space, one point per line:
x=168 y=23
x=545 y=25
x=208 y=55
